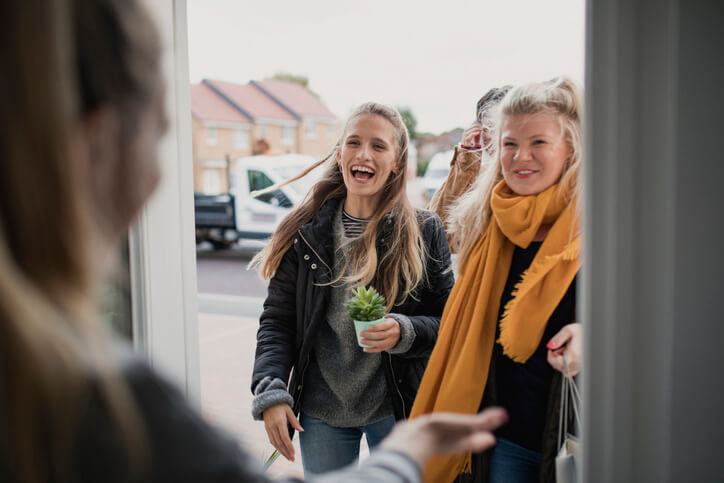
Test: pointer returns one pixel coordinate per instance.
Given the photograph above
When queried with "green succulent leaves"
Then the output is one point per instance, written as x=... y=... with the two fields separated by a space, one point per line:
x=365 y=305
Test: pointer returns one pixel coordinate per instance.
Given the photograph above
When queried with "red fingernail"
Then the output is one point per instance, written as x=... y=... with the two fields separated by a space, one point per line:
x=550 y=345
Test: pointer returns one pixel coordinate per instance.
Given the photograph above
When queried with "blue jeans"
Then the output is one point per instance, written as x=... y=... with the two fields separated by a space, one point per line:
x=512 y=463
x=325 y=448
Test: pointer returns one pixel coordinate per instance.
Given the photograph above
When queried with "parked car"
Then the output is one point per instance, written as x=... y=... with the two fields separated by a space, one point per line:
x=436 y=173
x=223 y=220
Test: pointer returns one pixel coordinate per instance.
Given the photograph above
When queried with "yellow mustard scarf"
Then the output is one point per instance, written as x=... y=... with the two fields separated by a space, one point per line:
x=458 y=369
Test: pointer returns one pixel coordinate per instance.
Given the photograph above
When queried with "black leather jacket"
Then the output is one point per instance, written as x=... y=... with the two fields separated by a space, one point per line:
x=297 y=303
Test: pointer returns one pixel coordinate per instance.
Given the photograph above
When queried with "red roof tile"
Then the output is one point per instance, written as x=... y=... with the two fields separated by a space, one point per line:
x=297 y=98
x=252 y=100
x=209 y=106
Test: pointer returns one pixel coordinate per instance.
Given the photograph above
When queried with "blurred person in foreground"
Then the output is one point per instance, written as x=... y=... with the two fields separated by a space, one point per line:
x=80 y=118
x=475 y=150
x=511 y=317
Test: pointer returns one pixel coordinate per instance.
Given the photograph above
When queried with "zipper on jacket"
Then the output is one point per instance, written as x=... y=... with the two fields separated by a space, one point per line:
x=397 y=389
x=313 y=250
x=300 y=384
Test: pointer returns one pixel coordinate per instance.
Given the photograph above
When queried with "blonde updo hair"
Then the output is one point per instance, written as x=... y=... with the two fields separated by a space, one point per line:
x=470 y=215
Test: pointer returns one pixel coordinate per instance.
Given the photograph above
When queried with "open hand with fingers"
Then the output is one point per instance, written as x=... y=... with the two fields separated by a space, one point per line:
x=441 y=433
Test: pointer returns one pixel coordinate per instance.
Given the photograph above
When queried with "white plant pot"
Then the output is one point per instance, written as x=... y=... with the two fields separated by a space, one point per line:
x=361 y=325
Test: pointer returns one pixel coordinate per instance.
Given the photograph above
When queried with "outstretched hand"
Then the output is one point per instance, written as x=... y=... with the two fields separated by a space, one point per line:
x=440 y=433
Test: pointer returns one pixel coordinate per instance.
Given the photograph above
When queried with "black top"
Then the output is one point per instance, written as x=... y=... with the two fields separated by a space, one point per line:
x=522 y=389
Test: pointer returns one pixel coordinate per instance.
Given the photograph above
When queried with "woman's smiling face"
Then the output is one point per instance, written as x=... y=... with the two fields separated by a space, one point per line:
x=368 y=156
x=533 y=152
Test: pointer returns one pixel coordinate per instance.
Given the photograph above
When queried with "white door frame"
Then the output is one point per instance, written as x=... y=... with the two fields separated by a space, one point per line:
x=162 y=243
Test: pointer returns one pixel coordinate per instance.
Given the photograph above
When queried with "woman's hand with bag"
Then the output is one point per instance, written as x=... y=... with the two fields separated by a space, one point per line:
x=569 y=342
x=275 y=423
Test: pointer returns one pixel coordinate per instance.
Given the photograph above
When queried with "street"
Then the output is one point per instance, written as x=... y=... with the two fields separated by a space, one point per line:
x=225 y=286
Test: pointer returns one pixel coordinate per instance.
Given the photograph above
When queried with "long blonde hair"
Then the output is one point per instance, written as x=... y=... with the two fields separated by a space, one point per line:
x=470 y=215
x=56 y=69
x=404 y=260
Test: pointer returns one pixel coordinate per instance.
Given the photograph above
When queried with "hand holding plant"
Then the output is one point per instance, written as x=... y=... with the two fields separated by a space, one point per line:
x=375 y=332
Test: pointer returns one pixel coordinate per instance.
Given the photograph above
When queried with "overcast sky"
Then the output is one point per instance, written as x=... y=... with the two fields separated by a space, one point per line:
x=437 y=58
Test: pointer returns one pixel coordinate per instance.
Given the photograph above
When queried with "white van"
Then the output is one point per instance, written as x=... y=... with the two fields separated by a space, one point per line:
x=436 y=173
x=225 y=219
x=258 y=217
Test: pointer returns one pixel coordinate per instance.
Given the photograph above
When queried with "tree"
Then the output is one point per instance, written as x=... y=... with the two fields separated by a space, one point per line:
x=297 y=79
x=410 y=121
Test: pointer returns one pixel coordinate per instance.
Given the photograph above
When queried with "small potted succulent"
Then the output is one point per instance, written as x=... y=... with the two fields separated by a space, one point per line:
x=365 y=308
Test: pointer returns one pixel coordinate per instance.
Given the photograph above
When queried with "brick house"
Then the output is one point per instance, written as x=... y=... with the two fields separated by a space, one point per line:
x=232 y=120
x=317 y=128
x=220 y=133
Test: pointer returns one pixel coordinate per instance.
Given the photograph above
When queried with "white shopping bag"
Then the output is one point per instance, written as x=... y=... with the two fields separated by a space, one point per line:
x=567 y=460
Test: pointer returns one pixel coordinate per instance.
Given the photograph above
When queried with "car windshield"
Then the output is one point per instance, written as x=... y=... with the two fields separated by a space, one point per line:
x=301 y=186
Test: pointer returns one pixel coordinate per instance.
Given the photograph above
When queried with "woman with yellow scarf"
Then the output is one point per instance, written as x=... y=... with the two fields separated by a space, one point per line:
x=510 y=317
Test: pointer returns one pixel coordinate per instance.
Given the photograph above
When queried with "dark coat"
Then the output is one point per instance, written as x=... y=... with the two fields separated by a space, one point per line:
x=297 y=301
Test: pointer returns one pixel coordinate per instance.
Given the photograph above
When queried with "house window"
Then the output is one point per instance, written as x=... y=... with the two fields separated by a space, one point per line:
x=287 y=135
x=241 y=138
x=211 y=136
x=262 y=132
x=311 y=130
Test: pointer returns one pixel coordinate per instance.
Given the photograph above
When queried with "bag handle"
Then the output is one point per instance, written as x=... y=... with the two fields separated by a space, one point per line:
x=569 y=392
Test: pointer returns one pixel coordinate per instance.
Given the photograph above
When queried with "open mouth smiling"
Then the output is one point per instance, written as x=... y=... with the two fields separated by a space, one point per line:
x=362 y=173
